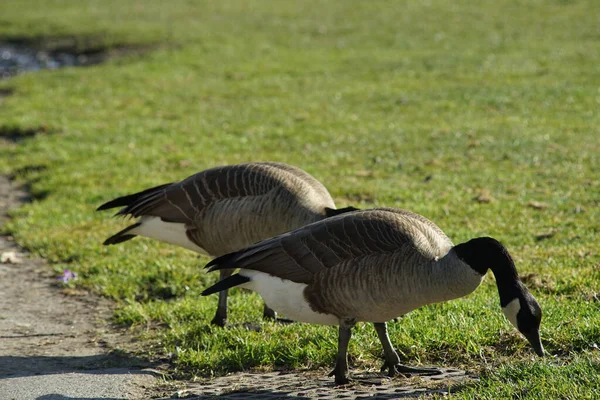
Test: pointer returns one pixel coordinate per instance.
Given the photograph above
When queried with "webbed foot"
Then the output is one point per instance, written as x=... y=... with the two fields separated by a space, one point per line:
x=395 y=369
x=341 y=377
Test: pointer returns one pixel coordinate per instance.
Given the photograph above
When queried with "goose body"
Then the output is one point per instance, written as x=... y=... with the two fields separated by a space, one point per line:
x=224 y=209
x=373 y=266
x=415 y=267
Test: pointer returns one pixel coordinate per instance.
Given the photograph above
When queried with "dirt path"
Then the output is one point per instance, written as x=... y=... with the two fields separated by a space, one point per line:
x=54 y=345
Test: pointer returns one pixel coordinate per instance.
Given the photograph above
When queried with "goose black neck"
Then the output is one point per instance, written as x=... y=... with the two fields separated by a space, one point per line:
x=486 y=253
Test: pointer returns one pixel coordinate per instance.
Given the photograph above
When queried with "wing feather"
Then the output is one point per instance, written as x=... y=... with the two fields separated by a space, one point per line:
x=302 y=253
x=182 y=201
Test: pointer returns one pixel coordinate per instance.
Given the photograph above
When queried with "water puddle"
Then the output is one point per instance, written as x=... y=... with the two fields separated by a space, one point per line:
x=16 y=59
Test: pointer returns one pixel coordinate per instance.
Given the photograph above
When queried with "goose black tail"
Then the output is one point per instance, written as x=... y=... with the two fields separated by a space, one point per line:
x=227 y=283
x=121 y=236
x=131 y=198
x=223 y=262
x=330 y=212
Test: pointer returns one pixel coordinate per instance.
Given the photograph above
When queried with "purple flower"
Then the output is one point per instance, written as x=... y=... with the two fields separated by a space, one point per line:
x=67 y=276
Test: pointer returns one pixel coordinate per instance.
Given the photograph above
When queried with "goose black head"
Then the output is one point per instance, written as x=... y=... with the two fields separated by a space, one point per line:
x=519 y=306
x=524 y=312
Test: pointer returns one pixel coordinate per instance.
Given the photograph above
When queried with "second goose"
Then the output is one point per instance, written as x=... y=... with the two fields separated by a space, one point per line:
x=226 y=208
x=373 y=266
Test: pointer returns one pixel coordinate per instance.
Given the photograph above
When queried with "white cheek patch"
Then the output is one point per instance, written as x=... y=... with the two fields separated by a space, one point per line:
x=511 y=310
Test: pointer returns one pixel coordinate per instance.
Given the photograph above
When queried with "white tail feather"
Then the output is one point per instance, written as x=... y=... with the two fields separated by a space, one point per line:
x=285 y=297
x=168 y=232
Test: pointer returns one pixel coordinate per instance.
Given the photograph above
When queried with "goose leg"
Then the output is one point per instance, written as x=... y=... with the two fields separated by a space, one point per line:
x=341 y=364
x=220 y=318
x=269 y=313
x=392 y=360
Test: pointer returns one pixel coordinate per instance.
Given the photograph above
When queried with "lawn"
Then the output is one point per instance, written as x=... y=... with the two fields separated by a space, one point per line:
x=481 y=116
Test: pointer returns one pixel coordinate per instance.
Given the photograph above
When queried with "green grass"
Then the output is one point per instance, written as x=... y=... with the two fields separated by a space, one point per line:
x=420 y=105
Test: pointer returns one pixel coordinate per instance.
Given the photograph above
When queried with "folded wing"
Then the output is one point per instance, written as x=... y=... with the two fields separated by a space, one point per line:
x=300 y=254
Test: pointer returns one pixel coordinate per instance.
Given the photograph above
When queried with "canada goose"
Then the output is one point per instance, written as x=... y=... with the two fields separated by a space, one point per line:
x=372 y=266
x=224 y=209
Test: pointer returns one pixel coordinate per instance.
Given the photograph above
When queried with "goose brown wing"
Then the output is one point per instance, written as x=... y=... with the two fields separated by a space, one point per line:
x=183 y=201
x=298 y=255
x=301 y=175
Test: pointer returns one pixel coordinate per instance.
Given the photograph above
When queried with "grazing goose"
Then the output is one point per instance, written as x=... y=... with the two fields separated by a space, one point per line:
x=373 y=266
x=224 y=209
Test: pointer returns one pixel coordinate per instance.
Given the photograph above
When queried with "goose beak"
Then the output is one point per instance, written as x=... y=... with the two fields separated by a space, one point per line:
x=534 y=339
